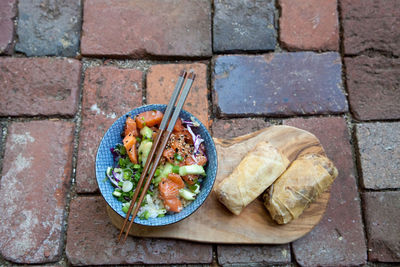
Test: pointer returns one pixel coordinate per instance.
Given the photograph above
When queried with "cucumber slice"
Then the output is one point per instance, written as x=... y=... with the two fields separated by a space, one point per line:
x=146 y=132
x=144 y=150
x=186 y=194
x=191 y=169
x=127 y=186
x=117 y=194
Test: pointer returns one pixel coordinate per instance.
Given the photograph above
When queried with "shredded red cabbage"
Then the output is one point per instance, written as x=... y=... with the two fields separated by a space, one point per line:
x=111 y=178
x=114 y=153
x=117 y=176
x=197 y=140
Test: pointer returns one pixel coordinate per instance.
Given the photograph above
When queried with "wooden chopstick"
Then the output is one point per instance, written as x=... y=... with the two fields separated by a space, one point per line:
x=160 y=149
x=163 y=124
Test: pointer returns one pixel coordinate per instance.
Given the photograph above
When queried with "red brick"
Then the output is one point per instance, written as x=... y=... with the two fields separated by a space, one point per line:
x=374 y=87
x=253 y=254
x=339 y=238
x=370 y=25
x=8 y=11
x=382 y=215
x=236 y=127
x=108 y=93
x=146 y=27
x=161 y=80
x=39 y=86
x=91 y=240
x=309 y=25
x=35 y=181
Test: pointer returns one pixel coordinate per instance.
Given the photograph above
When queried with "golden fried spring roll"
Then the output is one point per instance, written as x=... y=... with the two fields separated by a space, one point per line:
x=306 y=178
x=258 y=170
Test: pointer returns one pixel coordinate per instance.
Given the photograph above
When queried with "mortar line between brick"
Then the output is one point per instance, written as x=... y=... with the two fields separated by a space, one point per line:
x=292 y=255
x=210 y=111
x=341 y=52
x=149 y=57
x=27 y=118
x=351 y=127
x=4 y=128
x=144 y=86
x=356 y=153
x=215 y=255
x=278 y=13
x=212 y=26
x=371 y=52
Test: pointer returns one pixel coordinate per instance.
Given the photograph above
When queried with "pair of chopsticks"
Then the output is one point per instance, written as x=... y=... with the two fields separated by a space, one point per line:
x=160 y=141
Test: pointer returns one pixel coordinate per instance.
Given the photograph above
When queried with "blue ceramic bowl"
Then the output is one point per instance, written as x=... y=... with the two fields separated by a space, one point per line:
x=104 y=159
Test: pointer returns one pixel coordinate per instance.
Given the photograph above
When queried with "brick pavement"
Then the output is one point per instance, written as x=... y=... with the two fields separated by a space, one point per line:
x=330 y=67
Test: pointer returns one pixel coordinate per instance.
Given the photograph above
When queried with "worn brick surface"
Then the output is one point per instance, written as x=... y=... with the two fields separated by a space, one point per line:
x=39 y=86
x=95 y=243
x=371 y=25
x=379 y=150
x=309 y=25
x=279 y=84
x=236 y=127
x=108 y=93
x=338 y=240
x=244 y=25
x=35 y=180
x=161 y=80
x=382 y=215
x=8 y=12
x=374 y=87
x=147 y=27
x=49 y=27
x=253 y=254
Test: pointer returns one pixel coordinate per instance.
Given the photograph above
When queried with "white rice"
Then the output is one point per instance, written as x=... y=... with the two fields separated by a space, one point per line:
x=155 y=206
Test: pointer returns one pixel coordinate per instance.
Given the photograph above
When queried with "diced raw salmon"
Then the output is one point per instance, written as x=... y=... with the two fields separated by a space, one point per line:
x=168 y=189
x=176 y=178
x=190 y=179
x=129 y=141
x=149 y=118
x=169 y=155
x=200 y=160
x=130 y=127
x=132 y=154
x=173 y=204
x=178 y=127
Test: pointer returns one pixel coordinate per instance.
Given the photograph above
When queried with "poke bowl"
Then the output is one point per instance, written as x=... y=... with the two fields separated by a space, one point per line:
x=117 y=170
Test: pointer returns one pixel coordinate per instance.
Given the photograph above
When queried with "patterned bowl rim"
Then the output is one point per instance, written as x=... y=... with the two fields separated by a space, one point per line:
x=196 y=204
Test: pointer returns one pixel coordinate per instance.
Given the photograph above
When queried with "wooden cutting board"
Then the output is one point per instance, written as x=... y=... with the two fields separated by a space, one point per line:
x=213 y=223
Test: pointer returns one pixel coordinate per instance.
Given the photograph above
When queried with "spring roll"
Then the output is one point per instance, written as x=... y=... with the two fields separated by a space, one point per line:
x=257 y=170
x=306 y=179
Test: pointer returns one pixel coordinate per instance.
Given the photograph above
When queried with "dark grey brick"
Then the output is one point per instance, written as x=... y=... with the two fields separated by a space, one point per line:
x=382 y=215
x=279 y=84
x=374 y=87
x=370 y=25
x=244 y=25
x=49 y=27
x=253 y=254
x=379 y=149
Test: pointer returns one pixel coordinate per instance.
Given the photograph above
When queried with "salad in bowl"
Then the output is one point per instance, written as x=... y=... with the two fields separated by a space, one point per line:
x=183 y=178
